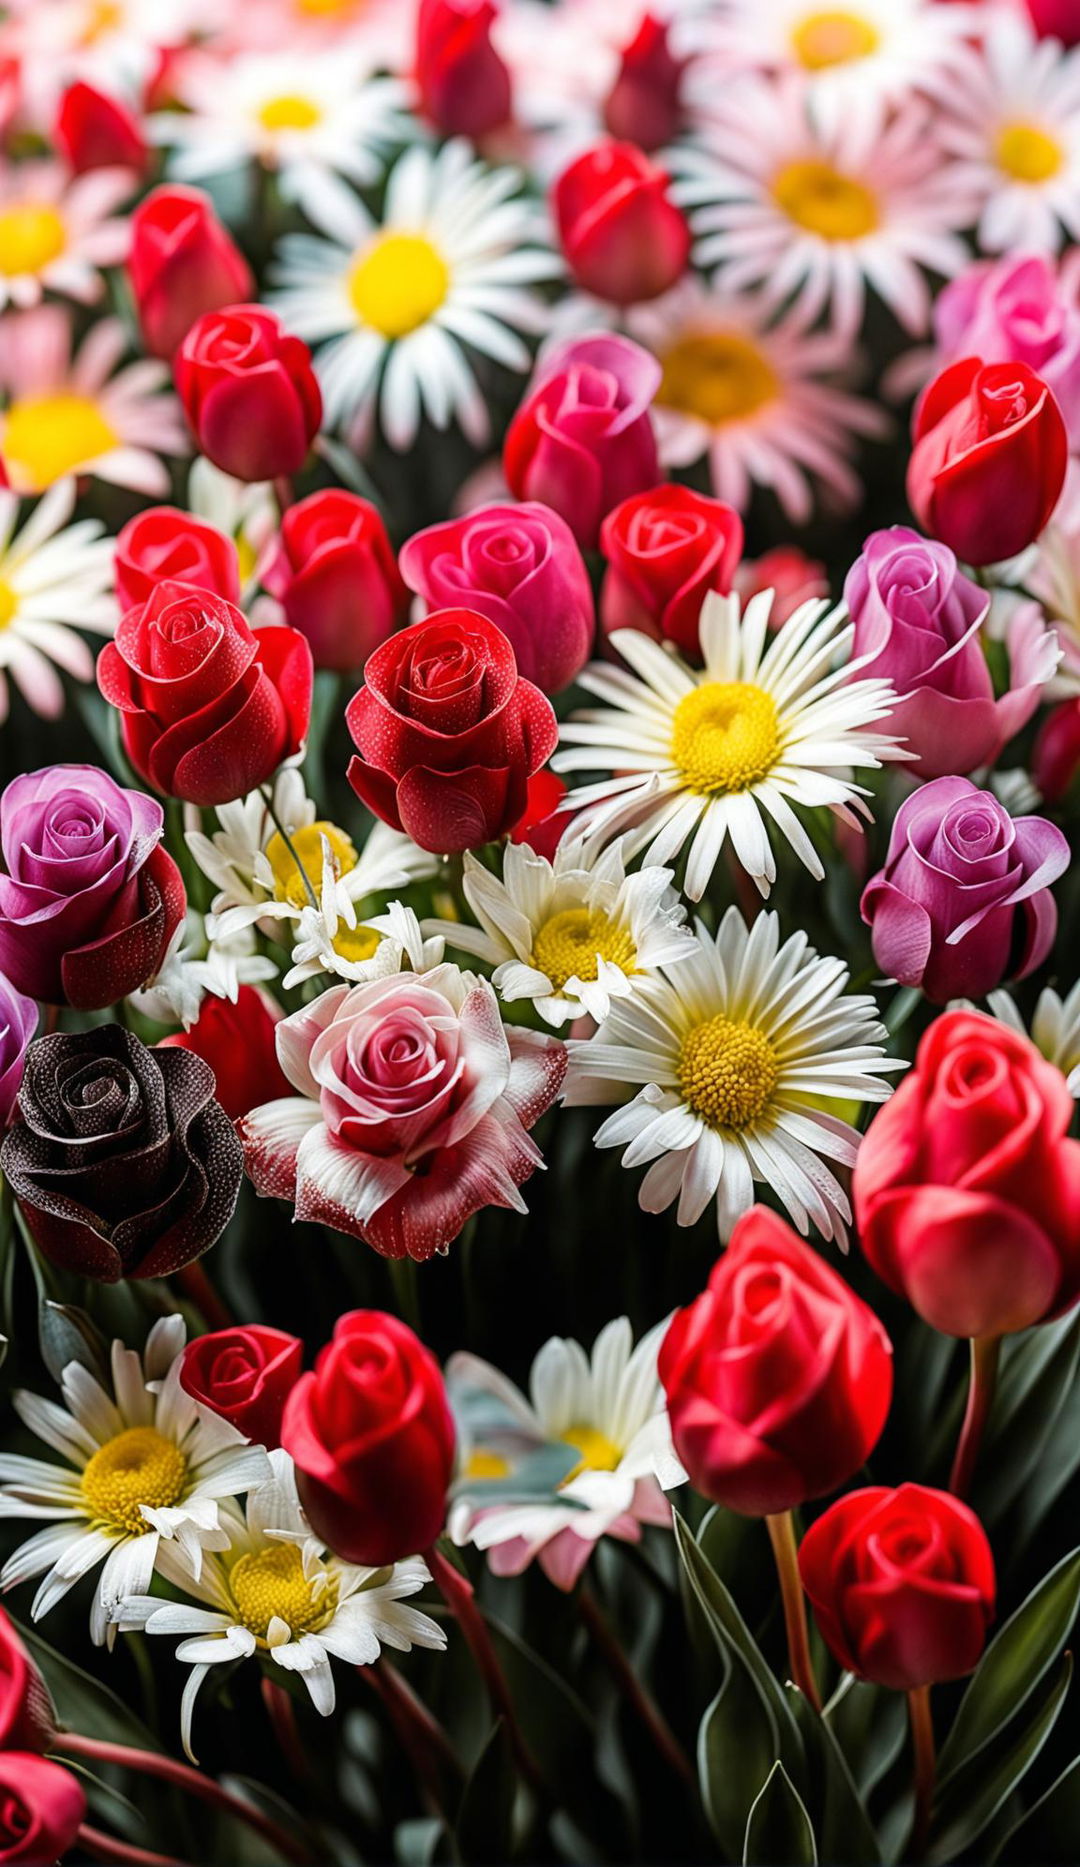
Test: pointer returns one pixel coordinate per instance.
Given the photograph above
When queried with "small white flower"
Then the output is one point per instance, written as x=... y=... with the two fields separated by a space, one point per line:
x=1055 y=1028
x=191 y=968
x=331 y=939
x=54 y=580
x=229 y=855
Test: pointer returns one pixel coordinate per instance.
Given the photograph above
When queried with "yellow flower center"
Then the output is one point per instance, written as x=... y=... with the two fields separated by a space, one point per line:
x=46 y=436
x=9 y=604
x=291 y=112
x=482 y=1462
x=356 y=943
x=570 y=945
x=1027 y=153
x=326 y=9
x=725 y=737
x=398 y=284
x=102 y=16
x=270 y=1583
x=139 y=1466
x=727 y=1072
x=30 y=238
x=288 y=878
x=597 y=1453
x=718 y=376
x=833 y=37
x=825 y=201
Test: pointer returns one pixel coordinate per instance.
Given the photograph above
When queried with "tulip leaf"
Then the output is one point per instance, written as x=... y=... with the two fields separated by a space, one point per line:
x=482 y=1830
x=1037 y=1380
x=870 y=1727
x=736 y=1749
x=1050 y=1830
x=66 y=1334
x=1013 y=1664
x=778 y=1829
x=841 y=1819
x=976 y=1792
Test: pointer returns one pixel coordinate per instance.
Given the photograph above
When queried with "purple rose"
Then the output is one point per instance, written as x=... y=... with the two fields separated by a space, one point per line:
x=1022 y=309
x=521 y=568
x=917 y=618
x=18 y=1022
x=90 y=899
x=964 y=897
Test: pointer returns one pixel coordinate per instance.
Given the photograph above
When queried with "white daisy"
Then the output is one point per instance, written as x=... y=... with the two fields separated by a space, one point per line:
x=772 y=720
x=330 y=938
x=54 y=579
x=1055 y=1028
x=570 y=934
x=144 y=1469
x=760 y=397
x=246 y=511
x=57 y=231
x=192 y=968
x=816 y=215
x=246 y=828
x=589 y=1454
x=272 y=1591
x=736 y=1051
x=396 y=304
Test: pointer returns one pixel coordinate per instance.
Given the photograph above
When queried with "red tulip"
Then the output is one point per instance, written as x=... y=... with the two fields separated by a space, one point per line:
x=249 y=392
x=623 y=236
x=334 y=573
x=182 y=263
x=464 y=85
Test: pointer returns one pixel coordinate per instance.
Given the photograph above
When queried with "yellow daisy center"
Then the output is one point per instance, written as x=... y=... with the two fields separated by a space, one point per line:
x=326 y=9
x=102 y=16
x=288 y=878
x=1027 y=153
x=270 y=1583
x=30 y=238
x=46 y=436
x=290 y=112
x=719 y=376
x=139 y=1466
x=482 y=1462
x=571 y=944
x=356 y=943
x=833 y=37
x=727 y=1072
x=825 y=201
x=398 y=284
x=9 y=604
x=725 y=736
x=597 y=1452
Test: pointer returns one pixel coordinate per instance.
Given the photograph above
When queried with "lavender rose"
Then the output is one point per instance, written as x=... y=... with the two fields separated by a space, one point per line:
x=90 y=900
x=964 y=897
x=1021 y=309
x=917 y=618
x=18 y=1021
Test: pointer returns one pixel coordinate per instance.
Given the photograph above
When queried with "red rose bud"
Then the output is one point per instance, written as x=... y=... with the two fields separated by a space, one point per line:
x=967 y=1187
x=989 y=459
x=1056 y=19
x=93 y=131
x=447 y=732
x=666 y=549
x=245 y=1375
x=182 y=263
x=334 y=573
x=249 y=392
x=27 y=1720
x=162 y=545
x=464 y=85
x=1056 y=754
x=372 y=1436
x=542 y=823
x=792 y=577
x=902 y=1585
x=623 y=236
x=209 y=706
x=778 y=1378
x=644 y=105
x=238 y=1043
x=42 y=1808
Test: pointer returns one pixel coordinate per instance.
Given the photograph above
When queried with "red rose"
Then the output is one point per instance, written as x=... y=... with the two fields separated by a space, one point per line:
x=245 y=1375
x=372 y=1436
x=901 y=1583
x=541 y=823
x=93 y=131
x=1055 y=757
x=210 y=707
x=447 y=732
x=666 y=549
x=238 y=1043
x=182 y=263
x=27 y=1721
x=464 y=85
x=623 y=236
x=644 y=105
x=42 y=1808
x=778 y=1377
x=989 y=459
x=335 y=574
x=967 y=1189
x=249 y=392
x=162 y=544
x=1056 y=19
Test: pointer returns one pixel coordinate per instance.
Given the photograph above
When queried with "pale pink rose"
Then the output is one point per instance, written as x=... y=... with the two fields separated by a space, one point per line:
x=413 y=1110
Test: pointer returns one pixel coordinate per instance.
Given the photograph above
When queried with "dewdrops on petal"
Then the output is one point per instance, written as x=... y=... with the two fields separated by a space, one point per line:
x=396 y=303
x=772 y=720
x=272 y=1590
x=56 y=231
x=144 y=1468
x=54 y=579
x=740 y=1052
x=1055 y=1028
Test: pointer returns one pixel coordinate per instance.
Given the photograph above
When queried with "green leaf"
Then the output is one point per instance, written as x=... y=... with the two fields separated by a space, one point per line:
x=1038 y=1377
x=976 y=1792
x=778 y=1829
x=482 y=1830
x=1015 y=1661
x=841 y=1819
x=1050 y=1830
x=82 y=1703
x=66 y=1334
x=736 y=1749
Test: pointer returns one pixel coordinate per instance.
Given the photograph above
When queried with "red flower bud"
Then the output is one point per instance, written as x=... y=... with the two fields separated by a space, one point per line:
x=245 y=1375
x=238 y=1043
x=182 y=263
x=335 y=574
x=623 y=236
x=162 y=544
x=27 y=1721
x=666 y=549
x=42 y=1808
x=644 y=105
x=464 y=85
x=249 y=392
x=94 y=131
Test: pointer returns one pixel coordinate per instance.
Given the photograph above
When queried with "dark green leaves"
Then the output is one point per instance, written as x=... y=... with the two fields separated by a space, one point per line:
x=778 y=1828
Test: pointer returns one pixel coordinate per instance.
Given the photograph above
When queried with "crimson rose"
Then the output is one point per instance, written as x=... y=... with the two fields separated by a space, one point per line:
x=245 y=1375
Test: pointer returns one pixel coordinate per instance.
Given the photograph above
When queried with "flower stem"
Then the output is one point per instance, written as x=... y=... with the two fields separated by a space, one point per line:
x=200 y=1291
x=631 y=1686
x=284 y=493
x=282 y=1716
x=922 y=1744
x=457 y=1591
x=985 y=1354
x=103 y=1847
x=267 y=795
x=421 y=1735
x=781 y=1529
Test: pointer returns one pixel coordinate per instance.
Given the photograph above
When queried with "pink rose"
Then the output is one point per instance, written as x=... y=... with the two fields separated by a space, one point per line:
x=413 y=1110
x=1020 y=309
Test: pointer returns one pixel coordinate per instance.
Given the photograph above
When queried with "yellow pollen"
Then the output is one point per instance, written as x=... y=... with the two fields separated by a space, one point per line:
x=597 y=1452
x=727 y=1072
x=719 y=376
x=246 y=557
x=833 y=37
x=483 y=1463
x=30 y=239
x=570 y=945
x=288 y=880
x=291 y=112
x=725 y=737
x=269 y=1583
x=398 y=284
x=326 y=9
x=102 y=16
x=1027 y=153
x=356 y=943
x=9 y=604
x=46 y=436
x=825 y=201
x=139 y=1466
